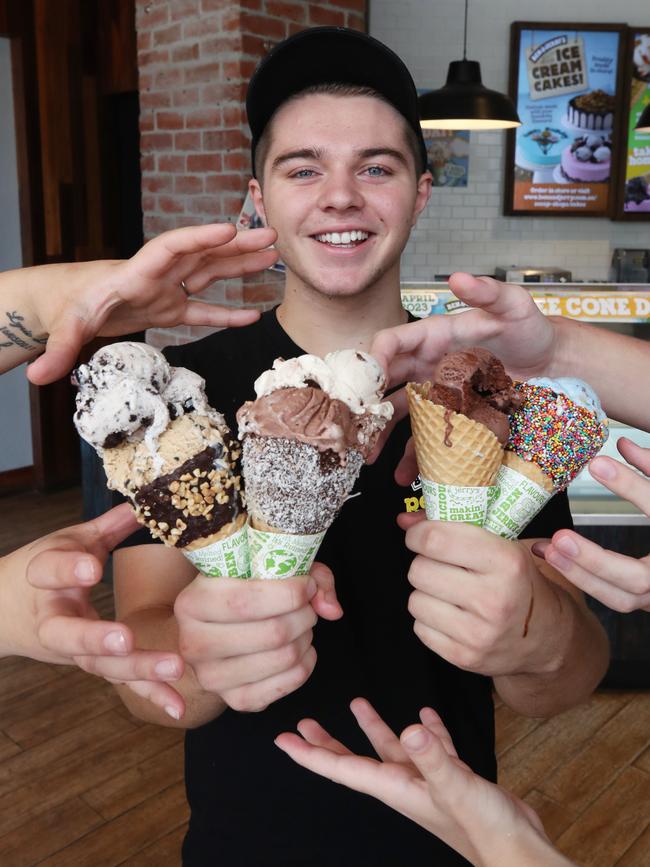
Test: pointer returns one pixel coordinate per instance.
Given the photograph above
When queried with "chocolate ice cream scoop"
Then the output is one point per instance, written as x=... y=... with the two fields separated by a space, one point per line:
x=307 y=415
x=473 y=382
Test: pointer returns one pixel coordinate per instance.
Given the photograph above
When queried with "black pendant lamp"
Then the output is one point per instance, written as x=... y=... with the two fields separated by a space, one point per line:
x=464 y=102
x=643 y=123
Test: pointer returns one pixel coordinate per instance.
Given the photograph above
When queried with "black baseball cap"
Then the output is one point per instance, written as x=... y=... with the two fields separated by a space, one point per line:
x=329 y=55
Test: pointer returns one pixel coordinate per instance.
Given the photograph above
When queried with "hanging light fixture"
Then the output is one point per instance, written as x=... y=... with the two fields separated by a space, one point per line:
x=643 y=123
x=464 y=102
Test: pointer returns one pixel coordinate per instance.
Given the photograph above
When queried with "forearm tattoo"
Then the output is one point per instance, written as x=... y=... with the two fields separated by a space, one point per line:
x=18 y=334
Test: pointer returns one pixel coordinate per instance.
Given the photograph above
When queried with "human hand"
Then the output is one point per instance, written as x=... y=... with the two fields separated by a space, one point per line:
x=620 y=582
x=478 y=598
x=250 y=641
x=48 y=586
x=504 y=319
x=114 y=298
x=421 y=776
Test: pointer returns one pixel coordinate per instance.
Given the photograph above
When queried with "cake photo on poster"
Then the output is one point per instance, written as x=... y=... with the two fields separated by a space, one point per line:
x=588 y=158
x=564 y=79
x=637 y=175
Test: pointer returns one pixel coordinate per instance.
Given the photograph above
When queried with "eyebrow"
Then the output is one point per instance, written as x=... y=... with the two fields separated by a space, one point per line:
x=317 y=154
x=301 y=154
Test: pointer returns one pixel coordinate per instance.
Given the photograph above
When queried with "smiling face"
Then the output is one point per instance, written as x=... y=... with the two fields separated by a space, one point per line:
x=340 y=189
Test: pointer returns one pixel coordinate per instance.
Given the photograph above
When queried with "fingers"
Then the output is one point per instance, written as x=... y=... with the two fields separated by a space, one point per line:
x=325 y=603
x=56 y=570
x=224 y=640
x=622 y=480
x=430 y=757
x=231 y=600
x=356 y=772
x=315 y=734
x=61 y=351
x=138 y=665
x=407 y=469
x=459 y=544
x=432 y=721
x=499 y=299
x=235 y=265
x=415 y=344
x=383 y=739
x=620 y=582
x=410 y=519
x=109 y=529
x=258 y=696
x=216 y=316
x=160 y=694
x=190 y=239
x=635 y=455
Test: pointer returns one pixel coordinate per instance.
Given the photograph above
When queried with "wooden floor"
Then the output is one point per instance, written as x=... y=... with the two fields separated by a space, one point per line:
x=83 y=784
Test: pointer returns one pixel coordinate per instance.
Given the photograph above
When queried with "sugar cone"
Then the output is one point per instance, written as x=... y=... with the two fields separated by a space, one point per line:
x=224 y=533
x=523 y=490
x=451 y=449
x=528 y=469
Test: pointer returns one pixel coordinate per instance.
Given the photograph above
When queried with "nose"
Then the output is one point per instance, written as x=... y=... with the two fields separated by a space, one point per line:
x=340 y=191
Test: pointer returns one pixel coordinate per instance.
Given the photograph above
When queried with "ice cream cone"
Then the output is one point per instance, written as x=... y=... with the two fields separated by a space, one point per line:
x=305 y=439
x=559 y=427
x=168 y=451
x=294 y=492
x=450 y=448
x=458 y=459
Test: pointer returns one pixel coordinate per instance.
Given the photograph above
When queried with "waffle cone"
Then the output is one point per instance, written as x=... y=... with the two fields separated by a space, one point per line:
x=451 y=449
x=528 y=469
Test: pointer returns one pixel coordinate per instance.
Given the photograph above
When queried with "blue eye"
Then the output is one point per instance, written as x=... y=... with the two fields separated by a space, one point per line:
x=376 y=171
x=303 y=173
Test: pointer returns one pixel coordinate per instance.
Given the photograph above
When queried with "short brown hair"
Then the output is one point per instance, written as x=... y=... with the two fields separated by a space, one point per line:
x=337 y=89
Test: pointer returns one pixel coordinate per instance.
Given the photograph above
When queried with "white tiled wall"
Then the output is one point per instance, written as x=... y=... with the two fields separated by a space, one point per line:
x=464 y=228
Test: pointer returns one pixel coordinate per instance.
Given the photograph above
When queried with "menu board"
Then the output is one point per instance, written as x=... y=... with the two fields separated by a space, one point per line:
x=564 y=79
x=634 y=200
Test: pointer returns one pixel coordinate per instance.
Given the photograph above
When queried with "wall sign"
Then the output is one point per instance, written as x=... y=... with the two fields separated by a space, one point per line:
x=634 y=186
x=564 y=79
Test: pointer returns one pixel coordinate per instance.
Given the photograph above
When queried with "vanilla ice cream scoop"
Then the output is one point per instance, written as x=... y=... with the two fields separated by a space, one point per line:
x=128 y=392
x=577 y=391
x=348 y=375
x=133 y=361
x=358 y=381
x=185 y=392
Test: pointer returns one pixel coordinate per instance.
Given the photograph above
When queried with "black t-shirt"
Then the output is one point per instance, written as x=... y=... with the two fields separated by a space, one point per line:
x=251 y=805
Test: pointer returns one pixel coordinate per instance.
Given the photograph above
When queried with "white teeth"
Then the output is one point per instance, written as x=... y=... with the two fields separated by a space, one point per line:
x=342 y=238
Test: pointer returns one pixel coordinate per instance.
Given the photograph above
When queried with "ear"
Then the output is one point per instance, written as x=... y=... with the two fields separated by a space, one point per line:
x=255 y=190
x=422 y=197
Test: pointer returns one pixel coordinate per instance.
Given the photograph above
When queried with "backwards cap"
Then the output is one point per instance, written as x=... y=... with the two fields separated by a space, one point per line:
x=329 y=55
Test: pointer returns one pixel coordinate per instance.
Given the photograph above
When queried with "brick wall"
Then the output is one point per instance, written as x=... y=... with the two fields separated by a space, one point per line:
x=195 y=58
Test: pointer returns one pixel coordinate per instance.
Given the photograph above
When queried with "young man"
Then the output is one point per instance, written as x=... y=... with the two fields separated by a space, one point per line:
x=340 y=173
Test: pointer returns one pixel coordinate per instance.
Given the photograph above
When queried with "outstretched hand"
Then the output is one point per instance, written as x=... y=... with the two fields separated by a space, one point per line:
x=620 y=582
x=504 y=319
x=421 y=776
x=49 y=584
x=152 y=289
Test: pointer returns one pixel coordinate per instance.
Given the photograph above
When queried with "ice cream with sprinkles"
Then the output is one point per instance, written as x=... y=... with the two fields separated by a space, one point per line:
x=558 y=429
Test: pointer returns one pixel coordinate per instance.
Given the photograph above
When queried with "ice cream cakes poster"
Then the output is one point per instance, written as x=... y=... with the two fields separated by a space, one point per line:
x=564 y=80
